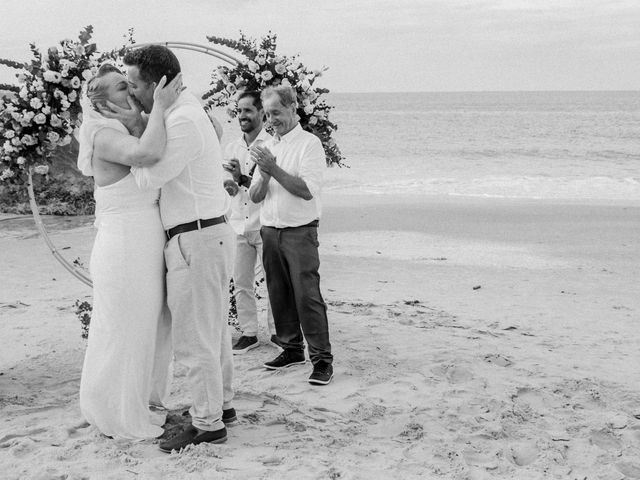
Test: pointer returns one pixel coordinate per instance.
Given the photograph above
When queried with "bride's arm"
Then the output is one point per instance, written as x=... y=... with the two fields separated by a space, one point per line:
x=114 y=146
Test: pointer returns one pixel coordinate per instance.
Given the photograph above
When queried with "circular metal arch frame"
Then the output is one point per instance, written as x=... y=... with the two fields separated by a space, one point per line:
x=75 y=269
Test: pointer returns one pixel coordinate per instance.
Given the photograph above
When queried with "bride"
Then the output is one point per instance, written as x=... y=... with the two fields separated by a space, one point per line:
x=127 y=359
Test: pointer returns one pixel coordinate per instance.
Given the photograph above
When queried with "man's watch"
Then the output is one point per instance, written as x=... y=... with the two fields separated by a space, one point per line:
x=244 y=180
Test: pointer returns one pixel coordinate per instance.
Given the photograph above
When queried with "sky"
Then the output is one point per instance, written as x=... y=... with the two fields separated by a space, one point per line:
x=369 y=45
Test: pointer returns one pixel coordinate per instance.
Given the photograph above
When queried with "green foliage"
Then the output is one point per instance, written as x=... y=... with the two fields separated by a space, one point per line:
x=83 y=311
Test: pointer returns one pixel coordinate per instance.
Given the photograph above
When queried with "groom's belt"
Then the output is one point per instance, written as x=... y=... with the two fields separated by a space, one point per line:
x=195 y=225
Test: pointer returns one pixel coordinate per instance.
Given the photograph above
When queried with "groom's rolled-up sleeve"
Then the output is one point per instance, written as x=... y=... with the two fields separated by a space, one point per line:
x=184 y=143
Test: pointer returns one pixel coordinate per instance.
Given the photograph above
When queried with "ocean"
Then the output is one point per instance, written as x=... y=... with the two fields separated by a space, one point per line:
x=538 y=145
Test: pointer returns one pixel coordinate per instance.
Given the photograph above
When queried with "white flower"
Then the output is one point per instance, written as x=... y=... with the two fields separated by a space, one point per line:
x=15 y=141
x=41 y=169
x=313 y=120
x=9 y=134
x=16 y=116
x=262 y=52
x=305 y=85
x=24 y=93
x=267 y=75
x=285 y=81
x=55 y=121
x=40 y=119
x=6 y=173
x=87 y=74
x=64 y=104
x=28 y=140
x=21 y=77
x=35 y=103
x=260 y=60
x=231 y=88
x=72 y=96
x=46 y=110
x=8 y=148
x=52 y=76
x=57 y=93
x=75 y=82
x=253 y=66
x=280 y=69
x=66 y=140
x=53 y=137
x=20 y=160
x=309 y=109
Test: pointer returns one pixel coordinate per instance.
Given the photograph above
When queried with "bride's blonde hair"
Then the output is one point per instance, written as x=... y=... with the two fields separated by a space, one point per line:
x=96 y=87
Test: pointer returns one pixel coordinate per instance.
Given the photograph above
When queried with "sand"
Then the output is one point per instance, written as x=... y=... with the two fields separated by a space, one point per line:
x=473 y=338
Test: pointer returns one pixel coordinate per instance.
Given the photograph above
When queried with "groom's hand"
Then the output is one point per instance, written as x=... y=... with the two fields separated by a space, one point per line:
x=131 y=118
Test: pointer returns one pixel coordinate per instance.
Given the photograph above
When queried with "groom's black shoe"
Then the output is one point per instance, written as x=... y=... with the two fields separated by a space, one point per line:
x=192 y=436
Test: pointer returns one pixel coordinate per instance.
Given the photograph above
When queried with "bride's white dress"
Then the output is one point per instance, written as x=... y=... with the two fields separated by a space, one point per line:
x=129 y=326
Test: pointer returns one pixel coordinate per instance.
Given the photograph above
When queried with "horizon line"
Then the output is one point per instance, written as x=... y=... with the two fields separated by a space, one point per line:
x=486 y=91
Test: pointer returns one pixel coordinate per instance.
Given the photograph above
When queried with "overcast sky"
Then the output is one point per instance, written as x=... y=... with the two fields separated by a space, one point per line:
x=369 y=45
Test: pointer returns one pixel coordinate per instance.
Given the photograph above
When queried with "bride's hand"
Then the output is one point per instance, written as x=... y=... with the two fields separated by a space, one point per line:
x=165 y=96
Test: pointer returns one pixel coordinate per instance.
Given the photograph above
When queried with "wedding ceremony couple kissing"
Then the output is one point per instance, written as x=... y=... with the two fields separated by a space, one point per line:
x=176 y=220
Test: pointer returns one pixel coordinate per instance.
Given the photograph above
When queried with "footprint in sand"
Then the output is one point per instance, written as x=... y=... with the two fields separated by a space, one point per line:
x=524 y=453
x=473 y=458
x=453 y=373
x=629 y=469
x=498 y=359
x=606 y=441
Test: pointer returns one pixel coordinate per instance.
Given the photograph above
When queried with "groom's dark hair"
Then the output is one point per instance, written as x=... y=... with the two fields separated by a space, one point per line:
x=153 y=61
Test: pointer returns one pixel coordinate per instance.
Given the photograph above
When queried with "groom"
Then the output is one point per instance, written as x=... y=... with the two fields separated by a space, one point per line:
x=199 y=251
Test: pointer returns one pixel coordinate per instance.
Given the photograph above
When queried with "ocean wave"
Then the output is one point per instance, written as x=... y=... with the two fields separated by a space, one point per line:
x=531 y=187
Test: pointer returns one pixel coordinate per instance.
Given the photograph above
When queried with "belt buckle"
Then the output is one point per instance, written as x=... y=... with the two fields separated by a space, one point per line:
x=199 y=224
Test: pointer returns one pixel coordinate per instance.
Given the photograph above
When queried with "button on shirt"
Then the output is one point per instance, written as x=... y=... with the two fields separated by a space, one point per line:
x=245 y=215
x=190 y=171
x=300 y=154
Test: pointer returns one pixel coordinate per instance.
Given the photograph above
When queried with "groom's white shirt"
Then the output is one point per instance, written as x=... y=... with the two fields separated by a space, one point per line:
x=190 y=172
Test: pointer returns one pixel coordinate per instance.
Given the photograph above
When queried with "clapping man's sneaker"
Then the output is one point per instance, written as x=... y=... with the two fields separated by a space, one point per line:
x=285 y=359
x=275 y=341
x=322 y=373
x=244 y=344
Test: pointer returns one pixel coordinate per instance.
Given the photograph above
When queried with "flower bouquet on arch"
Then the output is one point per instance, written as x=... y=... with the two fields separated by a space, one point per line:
x=40 y=113
x=262 y=68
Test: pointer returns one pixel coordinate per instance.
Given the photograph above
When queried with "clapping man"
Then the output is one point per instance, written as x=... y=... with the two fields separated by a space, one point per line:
x=245 y=220
x=288 y=182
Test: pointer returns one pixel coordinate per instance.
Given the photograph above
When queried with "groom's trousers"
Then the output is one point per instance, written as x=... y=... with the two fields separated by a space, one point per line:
x=199 y=266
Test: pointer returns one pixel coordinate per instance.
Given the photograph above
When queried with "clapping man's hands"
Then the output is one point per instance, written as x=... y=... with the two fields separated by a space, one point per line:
x=264 y=159
x=233 y=167
x=231 y=187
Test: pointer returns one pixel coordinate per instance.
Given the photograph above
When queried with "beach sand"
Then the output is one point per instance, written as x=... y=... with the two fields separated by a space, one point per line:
x=473 y=339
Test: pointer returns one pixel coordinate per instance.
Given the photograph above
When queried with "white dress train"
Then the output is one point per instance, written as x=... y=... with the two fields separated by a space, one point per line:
x=126 y=365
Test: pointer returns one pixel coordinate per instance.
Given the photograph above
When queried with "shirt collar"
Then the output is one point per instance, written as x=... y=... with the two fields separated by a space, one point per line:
x=289 y=136
x=262 y=135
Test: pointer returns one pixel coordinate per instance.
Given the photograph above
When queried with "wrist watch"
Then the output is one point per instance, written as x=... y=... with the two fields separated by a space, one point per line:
x=244 y=180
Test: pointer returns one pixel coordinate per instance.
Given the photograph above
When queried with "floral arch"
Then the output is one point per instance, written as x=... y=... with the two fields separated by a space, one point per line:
x=41 y=113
